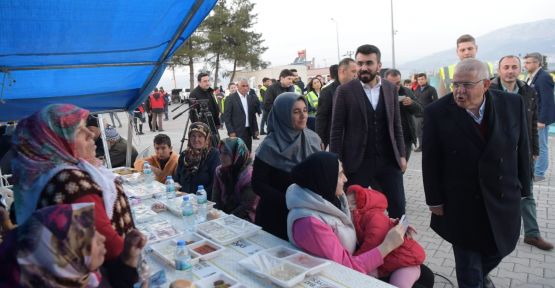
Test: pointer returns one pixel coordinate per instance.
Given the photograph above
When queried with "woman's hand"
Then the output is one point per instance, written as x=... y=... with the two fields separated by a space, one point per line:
x=134 y=243
x=393 y=239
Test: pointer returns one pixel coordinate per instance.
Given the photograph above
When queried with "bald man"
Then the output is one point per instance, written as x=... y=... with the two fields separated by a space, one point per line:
x=476 y=168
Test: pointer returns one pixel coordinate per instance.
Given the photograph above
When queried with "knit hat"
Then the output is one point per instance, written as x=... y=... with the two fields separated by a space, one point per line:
x=111 y=134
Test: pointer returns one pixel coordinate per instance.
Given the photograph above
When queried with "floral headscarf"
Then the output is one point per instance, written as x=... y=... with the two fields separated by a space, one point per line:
x=240 y=157
x=195 y=156
x=51 y=249
x=45 y=144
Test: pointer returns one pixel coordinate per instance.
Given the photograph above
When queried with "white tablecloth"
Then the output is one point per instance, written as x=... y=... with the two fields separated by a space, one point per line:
x=334 y=275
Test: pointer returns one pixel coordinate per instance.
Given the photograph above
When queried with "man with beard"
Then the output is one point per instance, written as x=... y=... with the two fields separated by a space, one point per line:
x=204 y=92
x=366 y=131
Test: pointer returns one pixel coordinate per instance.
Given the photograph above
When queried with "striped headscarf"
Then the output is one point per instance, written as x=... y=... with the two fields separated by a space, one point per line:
x=45 y=145
x=43 y=142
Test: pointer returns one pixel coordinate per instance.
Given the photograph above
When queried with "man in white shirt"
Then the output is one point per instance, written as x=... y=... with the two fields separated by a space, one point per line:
x=366 y=131
x=240 y=113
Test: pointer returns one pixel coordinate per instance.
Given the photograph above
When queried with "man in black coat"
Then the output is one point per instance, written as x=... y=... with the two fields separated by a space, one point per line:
x=425 y=94
x=366 y=131
x=285 y=84
x=346 y=71
x=204 y=92
x=476 y=168
x=240 y=113
x=509 y=68
x=408 y=107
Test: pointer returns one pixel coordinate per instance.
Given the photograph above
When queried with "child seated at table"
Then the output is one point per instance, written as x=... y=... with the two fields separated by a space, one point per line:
x=164 y=162
x=372 y=224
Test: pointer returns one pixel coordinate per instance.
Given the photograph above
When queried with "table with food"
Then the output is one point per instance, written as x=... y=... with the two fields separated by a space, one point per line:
x=220 y=250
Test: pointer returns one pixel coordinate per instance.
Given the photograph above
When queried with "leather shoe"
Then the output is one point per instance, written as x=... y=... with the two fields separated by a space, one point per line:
x=488 y=283
x=539 y=242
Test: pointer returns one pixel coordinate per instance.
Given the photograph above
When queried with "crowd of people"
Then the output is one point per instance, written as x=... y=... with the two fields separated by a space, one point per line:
x=327 y=176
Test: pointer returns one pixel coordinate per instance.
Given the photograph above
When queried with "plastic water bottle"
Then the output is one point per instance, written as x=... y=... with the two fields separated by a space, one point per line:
x=170 y=188
x=183 y=267
x=149 y=177
x=188 y=214
x=202 y=202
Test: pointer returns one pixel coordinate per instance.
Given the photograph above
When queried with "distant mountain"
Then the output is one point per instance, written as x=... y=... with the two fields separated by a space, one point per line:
x=517 y=39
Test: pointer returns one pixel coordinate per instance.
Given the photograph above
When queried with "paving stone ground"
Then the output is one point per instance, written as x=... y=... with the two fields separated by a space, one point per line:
x=526 y=267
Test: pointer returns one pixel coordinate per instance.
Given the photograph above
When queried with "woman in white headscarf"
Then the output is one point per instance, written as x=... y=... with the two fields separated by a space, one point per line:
x=288 y=143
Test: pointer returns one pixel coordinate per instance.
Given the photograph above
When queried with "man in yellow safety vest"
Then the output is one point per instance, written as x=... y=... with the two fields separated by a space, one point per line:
x=466 y=48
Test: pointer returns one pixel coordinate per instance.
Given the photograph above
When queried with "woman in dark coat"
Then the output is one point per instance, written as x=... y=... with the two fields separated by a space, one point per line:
x=287 y=144
x=197 y=164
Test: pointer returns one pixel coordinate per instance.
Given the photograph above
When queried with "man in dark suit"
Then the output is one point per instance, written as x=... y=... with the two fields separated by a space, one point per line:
x=408 y=107
x=240 y=113
x=204 y=92
x=425 y=94
x=366 y=131
x=346 y=71
x=543 y=83
x=476 y=168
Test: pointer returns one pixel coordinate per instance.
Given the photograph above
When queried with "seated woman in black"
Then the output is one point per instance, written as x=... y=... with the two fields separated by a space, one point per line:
x=287 y=144
x=197 y=164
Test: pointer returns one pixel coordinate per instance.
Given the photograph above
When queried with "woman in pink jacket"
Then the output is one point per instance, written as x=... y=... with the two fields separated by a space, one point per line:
x=319 y=221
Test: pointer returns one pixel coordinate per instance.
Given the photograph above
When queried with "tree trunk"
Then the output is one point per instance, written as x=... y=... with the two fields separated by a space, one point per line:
x=191 y=74
x=191 y=67
x=234 y=69
x=217 y=69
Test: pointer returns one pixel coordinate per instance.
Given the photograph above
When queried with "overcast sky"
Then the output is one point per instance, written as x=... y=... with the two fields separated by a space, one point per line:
x=423 y=26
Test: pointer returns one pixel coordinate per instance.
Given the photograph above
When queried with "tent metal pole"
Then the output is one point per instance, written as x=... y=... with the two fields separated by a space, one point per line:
x=75 y=66
x=176 y=36
x=129 y=140
x=104 y=142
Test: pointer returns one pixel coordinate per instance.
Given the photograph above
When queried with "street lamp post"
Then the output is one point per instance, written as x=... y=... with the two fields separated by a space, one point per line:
x=336 y=38
x=392 y=36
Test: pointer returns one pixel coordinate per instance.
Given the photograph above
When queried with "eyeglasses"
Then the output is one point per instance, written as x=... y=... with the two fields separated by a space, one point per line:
x=466 y=85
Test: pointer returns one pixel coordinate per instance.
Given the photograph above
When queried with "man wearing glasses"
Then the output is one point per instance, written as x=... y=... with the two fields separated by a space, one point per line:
x=476 y=168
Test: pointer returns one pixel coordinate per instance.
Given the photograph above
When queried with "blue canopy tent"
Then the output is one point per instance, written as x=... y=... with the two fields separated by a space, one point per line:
x=99 y=55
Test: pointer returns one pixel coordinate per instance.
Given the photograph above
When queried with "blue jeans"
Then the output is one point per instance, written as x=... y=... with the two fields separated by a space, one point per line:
x=472 y=267
x=543 y=159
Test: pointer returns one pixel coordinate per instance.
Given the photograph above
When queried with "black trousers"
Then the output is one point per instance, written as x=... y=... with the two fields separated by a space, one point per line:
x=473 y=267
x=384 y=175
x=408 y=150
x=247 y=138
